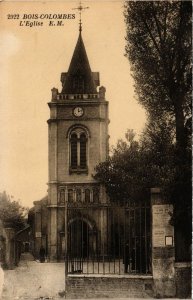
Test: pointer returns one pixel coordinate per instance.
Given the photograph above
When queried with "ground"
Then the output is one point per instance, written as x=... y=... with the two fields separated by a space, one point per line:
x=33 y=280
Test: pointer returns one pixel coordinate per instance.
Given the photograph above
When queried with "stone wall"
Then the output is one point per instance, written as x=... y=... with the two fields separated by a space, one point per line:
x=183 y=278
x=109 y=287
x=7 y=245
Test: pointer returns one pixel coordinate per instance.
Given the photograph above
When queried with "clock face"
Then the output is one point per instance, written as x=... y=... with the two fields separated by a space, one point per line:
x=78 y=111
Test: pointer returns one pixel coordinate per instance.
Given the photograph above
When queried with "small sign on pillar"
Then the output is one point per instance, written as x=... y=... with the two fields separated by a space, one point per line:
x=38 y=234
x=163 y=231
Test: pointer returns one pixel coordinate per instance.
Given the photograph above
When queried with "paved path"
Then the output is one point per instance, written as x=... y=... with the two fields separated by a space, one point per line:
x=34 y=280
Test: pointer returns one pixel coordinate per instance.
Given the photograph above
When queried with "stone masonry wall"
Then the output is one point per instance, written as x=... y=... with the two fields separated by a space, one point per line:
x=183 y=277
x=108 y=287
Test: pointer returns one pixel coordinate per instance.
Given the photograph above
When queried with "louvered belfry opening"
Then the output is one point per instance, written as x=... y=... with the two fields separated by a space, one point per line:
x=74 y=148
x=78 y=150
x=83 y=140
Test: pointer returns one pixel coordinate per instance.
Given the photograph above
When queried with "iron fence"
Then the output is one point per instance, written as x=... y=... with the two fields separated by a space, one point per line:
x=113 y=238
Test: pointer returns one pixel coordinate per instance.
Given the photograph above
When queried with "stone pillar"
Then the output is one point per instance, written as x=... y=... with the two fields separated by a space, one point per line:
x=10 y=250
x=162 y=246
x=53 y=221
x=53 y=234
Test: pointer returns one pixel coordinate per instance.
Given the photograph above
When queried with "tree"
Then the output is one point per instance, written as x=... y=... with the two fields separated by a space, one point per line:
x=119 y=173
x=11 y=211
x=136 y=166
x=133 y=167
x=159 y=49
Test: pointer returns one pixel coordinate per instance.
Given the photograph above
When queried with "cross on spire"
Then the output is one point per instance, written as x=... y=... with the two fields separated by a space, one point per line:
x=80 y=8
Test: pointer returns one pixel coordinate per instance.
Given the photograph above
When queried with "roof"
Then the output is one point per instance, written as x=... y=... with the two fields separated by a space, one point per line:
x=42 y=201
x=27 y=227
x=79 y=78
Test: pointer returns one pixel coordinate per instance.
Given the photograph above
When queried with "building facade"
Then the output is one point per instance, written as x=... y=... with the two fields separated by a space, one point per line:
x=78 y=141
x=77 y=217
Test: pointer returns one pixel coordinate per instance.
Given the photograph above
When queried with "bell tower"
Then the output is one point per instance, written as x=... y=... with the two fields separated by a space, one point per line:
x=78 y=141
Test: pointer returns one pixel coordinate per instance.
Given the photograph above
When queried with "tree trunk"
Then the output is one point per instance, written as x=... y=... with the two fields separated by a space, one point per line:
x=181 y=140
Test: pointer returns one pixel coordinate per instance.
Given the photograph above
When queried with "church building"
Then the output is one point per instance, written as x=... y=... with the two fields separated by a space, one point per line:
x=78 y=141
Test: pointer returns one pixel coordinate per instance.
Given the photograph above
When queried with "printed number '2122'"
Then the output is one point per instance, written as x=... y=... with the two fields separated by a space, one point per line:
x=15 y=16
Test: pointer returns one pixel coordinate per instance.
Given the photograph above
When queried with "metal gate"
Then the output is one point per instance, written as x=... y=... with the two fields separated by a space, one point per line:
x=113 y=238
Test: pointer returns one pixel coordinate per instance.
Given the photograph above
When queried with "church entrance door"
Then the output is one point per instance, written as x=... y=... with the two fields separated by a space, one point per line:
x=78 y=239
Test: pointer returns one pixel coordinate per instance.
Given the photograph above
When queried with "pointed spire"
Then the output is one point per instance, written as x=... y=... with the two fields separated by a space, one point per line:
x=80 y=26
x=79 y=78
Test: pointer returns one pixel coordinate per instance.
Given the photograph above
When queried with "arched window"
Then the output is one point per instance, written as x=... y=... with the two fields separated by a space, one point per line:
x=78 y=195
x=70 y=195
x=87 y=195
x=78 y=150
x=74 y=144
x=62 y=196
x=96 y=194
x=83 y=150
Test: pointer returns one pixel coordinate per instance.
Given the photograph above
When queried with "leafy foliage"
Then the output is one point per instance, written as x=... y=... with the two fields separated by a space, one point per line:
x=11 y=211
x=159 y=49
x=136 y=166
x=119 y=173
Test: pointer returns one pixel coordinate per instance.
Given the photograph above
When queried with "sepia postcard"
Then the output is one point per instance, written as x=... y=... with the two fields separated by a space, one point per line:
x=91 y=149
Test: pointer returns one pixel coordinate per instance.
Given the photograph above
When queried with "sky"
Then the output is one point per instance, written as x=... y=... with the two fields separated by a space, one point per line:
x=31 y=62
